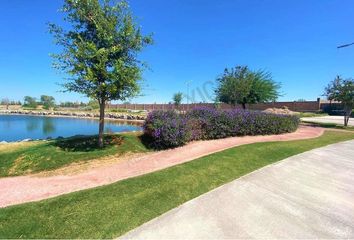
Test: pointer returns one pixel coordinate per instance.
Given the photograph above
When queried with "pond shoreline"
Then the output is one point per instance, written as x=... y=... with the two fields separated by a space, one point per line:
x=51 y=139
x=108 y=116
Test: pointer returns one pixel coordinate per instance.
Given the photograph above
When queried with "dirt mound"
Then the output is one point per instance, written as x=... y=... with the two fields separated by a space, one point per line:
x=283 y=110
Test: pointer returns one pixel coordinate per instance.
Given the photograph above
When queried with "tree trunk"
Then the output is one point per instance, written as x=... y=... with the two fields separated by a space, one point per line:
x=244 y=106
x=101 y=124
x=346 y=120
x=347 y=113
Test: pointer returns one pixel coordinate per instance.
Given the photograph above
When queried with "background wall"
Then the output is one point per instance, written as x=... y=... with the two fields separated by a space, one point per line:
x=307 y=106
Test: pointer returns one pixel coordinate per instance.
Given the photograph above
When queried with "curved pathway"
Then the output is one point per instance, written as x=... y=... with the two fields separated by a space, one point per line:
x=307 y=196
x=15 y=190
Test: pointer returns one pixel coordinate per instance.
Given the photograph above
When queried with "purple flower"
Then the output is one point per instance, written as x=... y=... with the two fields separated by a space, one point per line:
x=171 y=129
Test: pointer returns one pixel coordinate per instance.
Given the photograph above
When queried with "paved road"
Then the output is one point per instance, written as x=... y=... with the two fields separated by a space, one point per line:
x=310 y=195
x=329 y=119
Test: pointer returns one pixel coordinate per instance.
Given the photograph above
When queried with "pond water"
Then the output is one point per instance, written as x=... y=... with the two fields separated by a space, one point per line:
x=19 y=127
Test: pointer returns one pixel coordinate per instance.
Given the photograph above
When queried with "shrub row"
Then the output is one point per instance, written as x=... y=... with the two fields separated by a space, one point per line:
x=168 y=129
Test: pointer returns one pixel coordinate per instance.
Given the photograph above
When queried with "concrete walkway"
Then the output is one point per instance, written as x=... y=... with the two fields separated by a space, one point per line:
x=15 y=190
x=310 y=195
x=329 y=119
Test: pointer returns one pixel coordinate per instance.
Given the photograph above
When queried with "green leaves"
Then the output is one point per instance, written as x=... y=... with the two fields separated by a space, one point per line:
x=240 y=85
x=177 y=98
x=30 y=102
x=99 y=50
x=342 y=90
x=47 y=101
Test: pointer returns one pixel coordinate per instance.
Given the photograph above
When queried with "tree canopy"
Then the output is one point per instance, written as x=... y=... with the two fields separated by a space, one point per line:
x=100 y=51
x=177 y=99
x=240 y=85
x=30 y=102
x=47 y=101
x=342 y=90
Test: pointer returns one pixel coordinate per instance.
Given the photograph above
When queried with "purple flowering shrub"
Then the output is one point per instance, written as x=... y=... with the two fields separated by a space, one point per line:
x=167 y=129
x=170 y=129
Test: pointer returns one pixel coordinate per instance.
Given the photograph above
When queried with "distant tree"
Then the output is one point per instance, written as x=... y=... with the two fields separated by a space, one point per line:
x=66 y=104
x=6 y=102
x=100 y=50
x=240 y=85
x=177 y=99
x=93 y=104
x=301 y=100
x=47 y=101
x=342 y=90
x=30 y=102
x=76 y=104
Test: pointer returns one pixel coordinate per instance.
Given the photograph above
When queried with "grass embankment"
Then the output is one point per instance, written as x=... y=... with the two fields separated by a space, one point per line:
x=311 y=114
x=33 y=157
x=328 y=125
x=112 y=210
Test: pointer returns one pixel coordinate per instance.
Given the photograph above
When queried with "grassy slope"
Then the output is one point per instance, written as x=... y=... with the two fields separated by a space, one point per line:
x=329 y=125
x=43 y=156
x=112 y=210
x=311 y=114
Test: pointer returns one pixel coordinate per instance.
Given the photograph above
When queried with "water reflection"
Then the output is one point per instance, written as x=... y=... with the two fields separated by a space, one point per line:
x=48 y=126
x=19 y=127
x=108 y=130
x=32 y=125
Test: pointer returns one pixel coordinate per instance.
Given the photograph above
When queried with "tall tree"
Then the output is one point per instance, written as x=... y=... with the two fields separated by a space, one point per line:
x=342 y=90
x=177 y=99
x=240 y=85
x=30 y=102
x=47 y=101
x=99 y=51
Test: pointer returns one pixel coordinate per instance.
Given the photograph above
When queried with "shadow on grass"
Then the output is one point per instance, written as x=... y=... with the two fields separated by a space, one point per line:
x=147 y=141
x=87 y=143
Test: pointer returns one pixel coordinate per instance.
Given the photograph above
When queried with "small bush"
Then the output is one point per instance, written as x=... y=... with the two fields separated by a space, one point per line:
x=169 y=129
x=87 y=108
x=118 y=110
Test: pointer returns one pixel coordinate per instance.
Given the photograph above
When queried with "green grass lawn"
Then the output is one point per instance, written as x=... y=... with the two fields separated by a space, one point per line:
x=311 y=114
x=110 y=211
x=50 y=155
x=329 y=125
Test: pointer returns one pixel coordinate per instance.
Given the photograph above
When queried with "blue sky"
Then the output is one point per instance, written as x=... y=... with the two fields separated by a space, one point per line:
x=194 y=41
